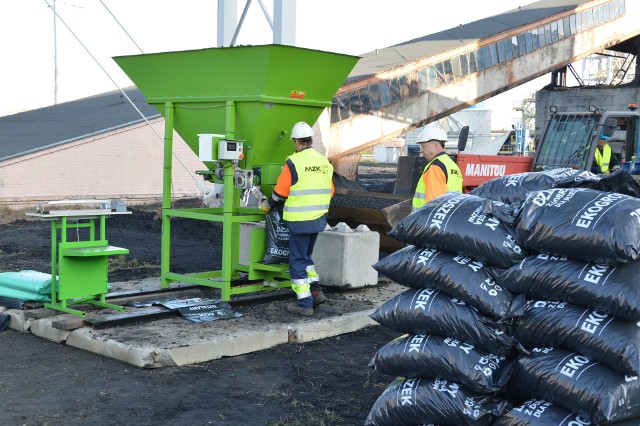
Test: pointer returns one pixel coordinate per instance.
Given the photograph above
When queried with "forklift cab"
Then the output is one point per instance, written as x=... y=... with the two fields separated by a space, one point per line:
x=571 y=139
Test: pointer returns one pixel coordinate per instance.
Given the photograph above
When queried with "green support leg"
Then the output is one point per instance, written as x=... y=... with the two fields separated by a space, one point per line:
x=165 y=253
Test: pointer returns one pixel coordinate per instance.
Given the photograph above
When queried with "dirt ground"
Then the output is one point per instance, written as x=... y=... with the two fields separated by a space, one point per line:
x=325 y=382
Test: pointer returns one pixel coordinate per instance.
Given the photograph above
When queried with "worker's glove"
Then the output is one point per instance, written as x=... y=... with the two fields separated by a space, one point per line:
x=264 y=205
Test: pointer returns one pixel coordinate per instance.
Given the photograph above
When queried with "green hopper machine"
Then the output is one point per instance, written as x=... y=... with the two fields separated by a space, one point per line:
x=235 y=107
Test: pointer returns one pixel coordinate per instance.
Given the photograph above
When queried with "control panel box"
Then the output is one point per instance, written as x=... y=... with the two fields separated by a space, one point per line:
x=230 y=150
x=210 y=144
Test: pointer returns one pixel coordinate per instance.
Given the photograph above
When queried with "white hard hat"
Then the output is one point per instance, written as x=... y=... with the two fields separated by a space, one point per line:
x=301 y=130
x=432 y=133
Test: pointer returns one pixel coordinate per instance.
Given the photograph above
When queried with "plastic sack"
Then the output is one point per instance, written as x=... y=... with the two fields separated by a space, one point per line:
x=619 y=181
x=611 y=341
x=277 y=248
x=540 y=412
x=24 y=295
x=27 y=280
x=430 y=356
x=457 y=276
x=4 y=322
x=576 y=383
x=428 y=311
x=432 y=401
x=514 y=188
x=582 y=224
x=456 y=223
x=611 y=289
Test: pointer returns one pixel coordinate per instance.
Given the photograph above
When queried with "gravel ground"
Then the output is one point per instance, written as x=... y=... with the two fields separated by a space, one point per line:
x=325 y=382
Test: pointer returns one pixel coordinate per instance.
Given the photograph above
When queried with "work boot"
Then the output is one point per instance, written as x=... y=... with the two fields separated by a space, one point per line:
x=318 y=296
x=295 y=308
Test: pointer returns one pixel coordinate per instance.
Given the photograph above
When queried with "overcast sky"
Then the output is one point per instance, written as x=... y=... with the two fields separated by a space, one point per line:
x=83 y=51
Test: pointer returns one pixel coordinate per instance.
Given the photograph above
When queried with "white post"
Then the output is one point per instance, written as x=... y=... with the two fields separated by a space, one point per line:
x=227 y=20
x=284 y=22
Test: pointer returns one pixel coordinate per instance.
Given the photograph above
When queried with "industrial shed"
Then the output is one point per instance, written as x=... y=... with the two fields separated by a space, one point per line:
x=96 y=147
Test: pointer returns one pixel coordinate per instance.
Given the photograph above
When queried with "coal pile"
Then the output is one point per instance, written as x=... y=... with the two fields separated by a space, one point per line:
x=363 y=201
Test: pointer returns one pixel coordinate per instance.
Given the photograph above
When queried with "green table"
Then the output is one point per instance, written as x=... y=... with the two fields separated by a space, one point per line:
x=79 y=269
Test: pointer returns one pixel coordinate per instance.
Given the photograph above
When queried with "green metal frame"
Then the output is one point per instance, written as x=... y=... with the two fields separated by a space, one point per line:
x=231 y=215
x=253 y=94
x=79 y=269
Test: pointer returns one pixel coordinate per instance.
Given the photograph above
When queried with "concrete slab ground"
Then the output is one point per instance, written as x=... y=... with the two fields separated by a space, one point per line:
x=176 y=341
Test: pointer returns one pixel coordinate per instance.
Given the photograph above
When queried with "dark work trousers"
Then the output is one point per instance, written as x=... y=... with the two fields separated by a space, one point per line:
x=300 y=250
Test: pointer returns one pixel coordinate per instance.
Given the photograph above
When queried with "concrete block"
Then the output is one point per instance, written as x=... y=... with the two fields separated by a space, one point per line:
x=18 y=321
x=43 y=328
x=229 y=345
x=139 y=356
x=344 y=257
x=303 y=332
x=245 y=240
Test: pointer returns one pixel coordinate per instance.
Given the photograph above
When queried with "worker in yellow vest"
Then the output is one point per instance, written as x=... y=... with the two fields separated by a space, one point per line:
x=306 y=187
x=441 y=174
x=603 y=156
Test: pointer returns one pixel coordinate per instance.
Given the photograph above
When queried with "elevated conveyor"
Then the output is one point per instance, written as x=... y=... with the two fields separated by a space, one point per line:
x=399 y=88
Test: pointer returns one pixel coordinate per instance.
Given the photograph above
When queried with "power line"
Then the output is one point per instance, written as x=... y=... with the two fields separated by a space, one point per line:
x=116 y=84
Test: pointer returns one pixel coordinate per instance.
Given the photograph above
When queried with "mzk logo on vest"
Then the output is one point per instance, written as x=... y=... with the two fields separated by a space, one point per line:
x=324 y=169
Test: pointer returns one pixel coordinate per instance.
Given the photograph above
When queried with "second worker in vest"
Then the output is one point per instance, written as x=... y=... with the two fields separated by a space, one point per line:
x=604 y=160
x=306 y=187
x=441 y=174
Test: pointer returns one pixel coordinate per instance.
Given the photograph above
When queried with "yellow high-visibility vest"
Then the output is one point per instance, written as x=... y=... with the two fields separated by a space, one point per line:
x=603 y=159
x=310 y=196
x=454 y=181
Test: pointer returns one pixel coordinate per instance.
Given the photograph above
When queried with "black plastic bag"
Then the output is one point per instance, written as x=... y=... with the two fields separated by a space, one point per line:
x=576 y=383
x=613 y=290
x=4 y=322
x=277 y=231
x=427 y=311
x=514 y=188
x=540 y=412
x=457 y=223
x=611 y=341
x=457 y=276
x=582 y=224
x=433 y=401
x=431 y=356
x=618 y=181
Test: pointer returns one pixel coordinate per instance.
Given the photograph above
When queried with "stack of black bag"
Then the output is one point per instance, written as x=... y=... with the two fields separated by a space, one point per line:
x=580 y=326
x=456 y=353
x=509 y=306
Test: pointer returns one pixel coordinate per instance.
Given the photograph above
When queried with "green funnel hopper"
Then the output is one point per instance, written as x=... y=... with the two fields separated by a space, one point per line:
x=254 y=94
x=218 y=100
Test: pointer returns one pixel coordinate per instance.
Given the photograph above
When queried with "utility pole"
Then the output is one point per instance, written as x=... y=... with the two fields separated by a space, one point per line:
x=55 y=55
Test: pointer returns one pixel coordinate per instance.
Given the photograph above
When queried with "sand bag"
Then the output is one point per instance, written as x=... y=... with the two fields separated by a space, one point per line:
x=277 y=248
x=537 y=412
x=433 y=401
x=431 y=356
x=427 y=311
x=576 y=383
x=582 y=224
x=457 y=276
x=514 y=188
x=611 y=289
x=456 y=223
x=611 y=341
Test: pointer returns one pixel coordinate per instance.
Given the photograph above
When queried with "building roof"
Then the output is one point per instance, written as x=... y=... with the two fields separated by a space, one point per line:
x=430 y=45
x=43 y=128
